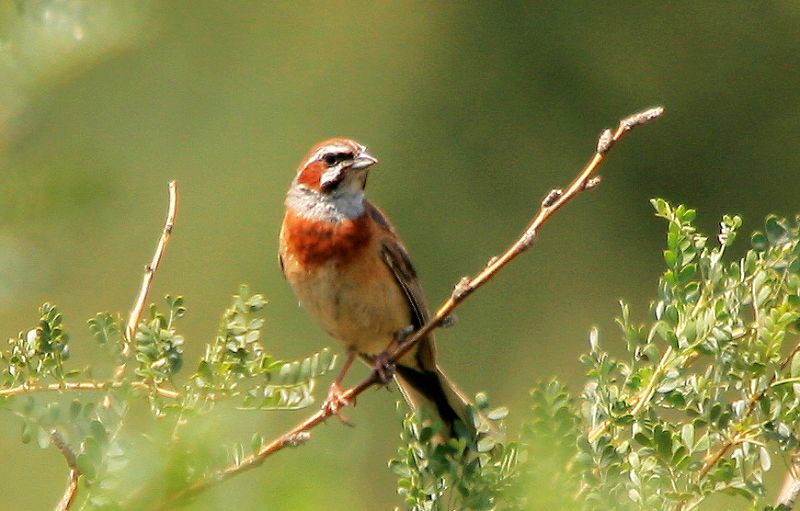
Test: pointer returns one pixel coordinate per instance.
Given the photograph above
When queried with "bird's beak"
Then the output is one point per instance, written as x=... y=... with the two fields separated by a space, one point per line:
x=363 y=161
x=331 y=178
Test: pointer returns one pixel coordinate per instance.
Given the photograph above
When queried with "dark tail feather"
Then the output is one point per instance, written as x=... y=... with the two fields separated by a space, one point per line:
x=435 y=391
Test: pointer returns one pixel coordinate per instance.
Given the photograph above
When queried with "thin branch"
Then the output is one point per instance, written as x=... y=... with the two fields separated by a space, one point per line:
x=150 y=269
x=640 y=399
x=554 y=201
x=298 y=435
x=147 y=281
x=72 y=485
x=467 y=286
x=84 y=385
x=740 y=436
x=643 y=397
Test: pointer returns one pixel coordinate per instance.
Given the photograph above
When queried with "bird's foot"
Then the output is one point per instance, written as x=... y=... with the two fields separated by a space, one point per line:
x=402 y=335
x=335 y=401
x=384 y=368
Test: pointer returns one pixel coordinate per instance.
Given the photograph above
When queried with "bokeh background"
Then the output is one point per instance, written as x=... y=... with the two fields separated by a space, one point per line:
x=475 y=109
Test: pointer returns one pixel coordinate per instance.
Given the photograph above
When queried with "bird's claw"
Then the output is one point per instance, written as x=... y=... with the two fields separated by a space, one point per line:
x=384 y=368
x=334 y=403
x=403 y=334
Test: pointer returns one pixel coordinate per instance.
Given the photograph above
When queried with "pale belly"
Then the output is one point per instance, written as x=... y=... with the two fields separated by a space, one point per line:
x=363 y=308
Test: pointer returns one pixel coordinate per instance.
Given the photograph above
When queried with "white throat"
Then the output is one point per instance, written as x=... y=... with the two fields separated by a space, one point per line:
x=336 y=207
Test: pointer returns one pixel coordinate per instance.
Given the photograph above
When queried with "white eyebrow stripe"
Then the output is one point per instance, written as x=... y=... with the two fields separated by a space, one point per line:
x=330 y=148
x=313 y=157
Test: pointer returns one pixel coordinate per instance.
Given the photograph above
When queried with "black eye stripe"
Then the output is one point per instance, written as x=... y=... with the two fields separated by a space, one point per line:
x=334 y=158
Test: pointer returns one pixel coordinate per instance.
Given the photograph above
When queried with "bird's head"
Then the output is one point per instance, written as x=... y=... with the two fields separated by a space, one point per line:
x=338 y=166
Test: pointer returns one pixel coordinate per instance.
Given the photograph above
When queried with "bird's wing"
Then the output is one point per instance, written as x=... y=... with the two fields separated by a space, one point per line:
x=424 y=381
x=398 y=261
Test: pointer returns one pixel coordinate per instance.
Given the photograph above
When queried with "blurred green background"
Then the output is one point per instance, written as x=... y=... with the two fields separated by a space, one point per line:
x=475 y=110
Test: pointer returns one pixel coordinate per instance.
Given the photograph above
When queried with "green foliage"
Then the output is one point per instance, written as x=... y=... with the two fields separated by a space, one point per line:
x=236 y=363
x=107 y=331
x=159 y=349
x=705 y=399
x=235 y=369
x=705 y=402
x=443 y=474
x=37 y=355
x=549 y=436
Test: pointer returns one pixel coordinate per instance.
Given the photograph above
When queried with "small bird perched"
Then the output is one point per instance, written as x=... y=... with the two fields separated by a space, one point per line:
x=351 y=272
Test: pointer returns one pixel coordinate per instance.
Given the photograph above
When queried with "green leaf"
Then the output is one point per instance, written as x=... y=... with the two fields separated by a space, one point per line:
x=256 y=441
x=764 y=459
x=703 y=444
x=687 y=435
x=27 y=432
x=759 y=242
x=795 y=367
x=486 y=444
x=671 y=258
x=687 y=272
x=86 y=465
x=661 y=206
x=776 y=233
x=42 y=437
x=98 y=431
x=498 y=413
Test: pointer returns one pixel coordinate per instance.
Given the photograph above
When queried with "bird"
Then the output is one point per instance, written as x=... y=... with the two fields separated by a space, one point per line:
x=352 y=273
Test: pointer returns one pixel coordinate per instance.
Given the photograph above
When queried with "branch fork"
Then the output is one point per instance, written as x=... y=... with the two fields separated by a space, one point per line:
x=147 y=282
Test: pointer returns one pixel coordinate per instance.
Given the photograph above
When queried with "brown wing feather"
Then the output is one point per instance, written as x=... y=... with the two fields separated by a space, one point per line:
x=398 y=261
x=425 y=380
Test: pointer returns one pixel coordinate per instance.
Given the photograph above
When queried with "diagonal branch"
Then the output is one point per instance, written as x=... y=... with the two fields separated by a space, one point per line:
x=72 y=485
x=554 y=201
x=147 y=281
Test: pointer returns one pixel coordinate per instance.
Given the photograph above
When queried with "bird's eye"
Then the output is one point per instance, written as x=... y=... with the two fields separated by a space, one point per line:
x=333 y=158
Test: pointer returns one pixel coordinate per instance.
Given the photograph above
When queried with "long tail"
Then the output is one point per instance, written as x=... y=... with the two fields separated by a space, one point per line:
x=436 y=392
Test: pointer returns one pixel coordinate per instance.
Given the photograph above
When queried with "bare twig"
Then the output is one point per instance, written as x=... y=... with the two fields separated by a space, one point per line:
x=150 y=269
x=72 y=485
x=465 y=287
x=147 y=281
